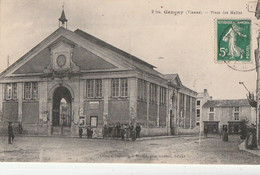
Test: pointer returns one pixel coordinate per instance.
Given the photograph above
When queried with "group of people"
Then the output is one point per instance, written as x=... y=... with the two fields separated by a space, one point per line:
x=90 y=132
x=123 y=131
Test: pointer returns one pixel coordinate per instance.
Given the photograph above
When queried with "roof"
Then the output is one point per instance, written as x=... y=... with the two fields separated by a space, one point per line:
x=170 y=76
x=108 y=46
x=226 y=103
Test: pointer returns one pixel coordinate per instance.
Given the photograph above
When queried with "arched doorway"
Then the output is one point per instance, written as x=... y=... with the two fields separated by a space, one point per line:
x=61 y=111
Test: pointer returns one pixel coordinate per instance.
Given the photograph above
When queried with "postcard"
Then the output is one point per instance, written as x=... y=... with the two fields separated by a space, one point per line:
x=112 y=81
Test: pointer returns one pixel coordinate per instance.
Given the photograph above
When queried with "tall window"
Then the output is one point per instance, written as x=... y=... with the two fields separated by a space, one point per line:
x=94 y=88
x=98 y=84
x=119 y=87
x=11 y=91
x=142 y=92
x=34 y=90
x=198 y=112
x=115 y=87
x=162 y=95
x=30 y=90
x=90 y=88
x=124 y=87
x=198 y=103
x=211 y=109
x=236 y=113
x=236 y=116
x=153 y=92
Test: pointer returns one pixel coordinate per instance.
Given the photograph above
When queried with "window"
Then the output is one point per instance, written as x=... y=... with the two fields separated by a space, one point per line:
x=119 y=87
x=115 y=87
x=198 y=113
x=211 y=109
x=90 y=88
x=34 y=90
x=11 y=91
x=27 y=90
x=94 y=88
x=162 y=95
x=98 y=84
x=124 y=89
x=153 y=92
x=236 y=113
x=211 y=116
x=237 y=109
x=93 y=121
x=30 y=90
x=142 y=91
x=236 y=116
x=198 y=103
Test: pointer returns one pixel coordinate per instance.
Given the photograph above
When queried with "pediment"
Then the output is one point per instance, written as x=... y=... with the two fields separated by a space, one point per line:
x=44 y=55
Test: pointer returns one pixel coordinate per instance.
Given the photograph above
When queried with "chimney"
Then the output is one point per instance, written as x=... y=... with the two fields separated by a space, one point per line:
x=205 y=91
x=210 y=98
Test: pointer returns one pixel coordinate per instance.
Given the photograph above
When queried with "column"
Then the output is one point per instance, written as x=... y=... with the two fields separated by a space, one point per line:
x=177 y=108
x=148 y=102
x=169 y=106
x=105 y=92
x=158 y=106
x=132 y=88
x=184 y=111
x=20 y=101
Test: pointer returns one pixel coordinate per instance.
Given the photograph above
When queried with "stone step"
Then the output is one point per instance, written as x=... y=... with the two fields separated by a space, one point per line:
x=57 y=130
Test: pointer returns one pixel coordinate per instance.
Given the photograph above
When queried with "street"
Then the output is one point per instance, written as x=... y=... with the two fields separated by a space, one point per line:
x=181 y=149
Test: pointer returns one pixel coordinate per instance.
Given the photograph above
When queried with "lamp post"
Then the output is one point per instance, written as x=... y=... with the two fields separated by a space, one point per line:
x=244 y=86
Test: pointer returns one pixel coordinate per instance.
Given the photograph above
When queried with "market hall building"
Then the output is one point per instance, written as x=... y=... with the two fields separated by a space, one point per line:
x=72 y=78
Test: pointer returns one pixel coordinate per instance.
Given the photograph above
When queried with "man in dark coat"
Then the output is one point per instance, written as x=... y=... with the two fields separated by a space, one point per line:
x=80 y=132
x=138 y=130
x=10 y=133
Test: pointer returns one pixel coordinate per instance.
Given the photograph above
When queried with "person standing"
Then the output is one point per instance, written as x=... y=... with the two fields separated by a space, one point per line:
x=138 y=130
x=206 y=131
x=10 y=133
x=80 y=132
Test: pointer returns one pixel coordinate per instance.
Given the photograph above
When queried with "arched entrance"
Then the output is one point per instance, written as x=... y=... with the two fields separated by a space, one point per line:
x=61 y=111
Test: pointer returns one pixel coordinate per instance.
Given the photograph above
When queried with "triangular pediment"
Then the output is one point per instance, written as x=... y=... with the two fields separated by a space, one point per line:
x=174 y=79
x=84 y=54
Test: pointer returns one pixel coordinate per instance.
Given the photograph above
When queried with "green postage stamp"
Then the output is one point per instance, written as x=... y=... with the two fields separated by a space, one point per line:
x=234 y=40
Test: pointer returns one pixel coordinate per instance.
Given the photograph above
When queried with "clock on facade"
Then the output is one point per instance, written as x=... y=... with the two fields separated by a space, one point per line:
x=61 y=60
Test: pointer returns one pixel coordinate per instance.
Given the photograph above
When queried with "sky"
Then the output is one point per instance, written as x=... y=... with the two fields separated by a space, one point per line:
x=173 y=43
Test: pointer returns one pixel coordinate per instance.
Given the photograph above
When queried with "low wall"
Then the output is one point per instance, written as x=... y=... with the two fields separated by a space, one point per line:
x=155 y=131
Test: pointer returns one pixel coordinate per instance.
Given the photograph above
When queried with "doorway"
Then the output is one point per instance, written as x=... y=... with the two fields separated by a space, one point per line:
x=61 y=110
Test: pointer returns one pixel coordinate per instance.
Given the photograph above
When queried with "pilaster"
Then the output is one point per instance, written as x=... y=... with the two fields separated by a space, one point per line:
x=148 y=103
x=185 y=111
x=158 y=106
x=105 y=92
x=132 y=90
x=20 y=101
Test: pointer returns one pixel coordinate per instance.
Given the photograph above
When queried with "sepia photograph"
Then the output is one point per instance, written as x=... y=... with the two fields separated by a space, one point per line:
x=130 y=82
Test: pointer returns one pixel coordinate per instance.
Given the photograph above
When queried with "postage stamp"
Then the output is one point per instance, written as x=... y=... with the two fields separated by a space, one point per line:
x=233 y=40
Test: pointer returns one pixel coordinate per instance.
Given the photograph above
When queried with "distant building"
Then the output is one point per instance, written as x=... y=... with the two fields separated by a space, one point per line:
x=202 y=98
x=217 y=113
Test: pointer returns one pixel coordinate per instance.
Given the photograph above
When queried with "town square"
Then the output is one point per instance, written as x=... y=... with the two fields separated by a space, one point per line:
x=129 y=82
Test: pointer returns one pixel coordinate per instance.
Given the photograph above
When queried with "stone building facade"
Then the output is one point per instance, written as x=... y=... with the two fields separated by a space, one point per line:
x=73 y=79
x=217 y=113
